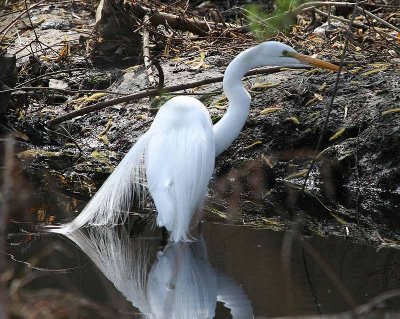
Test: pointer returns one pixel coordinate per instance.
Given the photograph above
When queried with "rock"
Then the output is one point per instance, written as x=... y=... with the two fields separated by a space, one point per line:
x=58 y=24
x=58 y=84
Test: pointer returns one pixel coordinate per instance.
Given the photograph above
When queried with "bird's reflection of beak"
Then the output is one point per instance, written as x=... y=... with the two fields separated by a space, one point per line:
x=314 y=62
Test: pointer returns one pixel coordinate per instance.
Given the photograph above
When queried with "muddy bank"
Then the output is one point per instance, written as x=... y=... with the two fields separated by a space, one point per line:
x=354 y=187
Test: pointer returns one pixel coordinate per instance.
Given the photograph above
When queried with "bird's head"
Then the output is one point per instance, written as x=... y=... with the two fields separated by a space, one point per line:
x=280 y=54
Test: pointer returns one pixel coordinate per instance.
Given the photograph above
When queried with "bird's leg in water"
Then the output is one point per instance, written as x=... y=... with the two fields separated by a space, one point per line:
x=164 y=238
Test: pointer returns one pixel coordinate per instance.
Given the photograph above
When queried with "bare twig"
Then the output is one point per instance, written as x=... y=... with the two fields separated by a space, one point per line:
x=377 y=301
x=49 y=74
x=14 y=21
x=355 y=23
x=30 y=21
x=333 y=17
x=361 y=311
x=346 y=44
x=151 y=92
x=43 y=88
x=373 y=16
x=380 y=32
x=312 y=6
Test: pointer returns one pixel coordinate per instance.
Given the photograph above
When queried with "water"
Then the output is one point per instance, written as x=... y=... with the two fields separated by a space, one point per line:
x=232 y=271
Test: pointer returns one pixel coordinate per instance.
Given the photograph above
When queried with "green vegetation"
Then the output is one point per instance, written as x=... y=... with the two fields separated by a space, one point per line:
x=264 y=25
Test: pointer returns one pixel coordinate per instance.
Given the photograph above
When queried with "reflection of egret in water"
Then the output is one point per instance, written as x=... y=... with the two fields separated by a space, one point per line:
x=179 y=284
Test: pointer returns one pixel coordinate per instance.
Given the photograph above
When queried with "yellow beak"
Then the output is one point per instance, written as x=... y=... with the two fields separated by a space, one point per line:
x=314 y=62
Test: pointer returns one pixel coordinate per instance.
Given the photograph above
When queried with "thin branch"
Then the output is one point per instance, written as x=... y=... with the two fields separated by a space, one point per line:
x=14 y=21
x=49 y=74
x=355 y=23
x=373 y=16
x=331 y=16
x=327 y=269
x=177 y=22
x=380 y=32
x=30 y=21
x=346 y=45
x=151 y=92
x=43 y=88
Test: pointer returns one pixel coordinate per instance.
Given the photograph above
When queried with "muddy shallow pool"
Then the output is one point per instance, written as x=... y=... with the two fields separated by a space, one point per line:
x=231 y=271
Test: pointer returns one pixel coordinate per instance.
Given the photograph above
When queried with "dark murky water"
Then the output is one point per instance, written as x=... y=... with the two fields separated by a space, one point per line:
x=232 y=271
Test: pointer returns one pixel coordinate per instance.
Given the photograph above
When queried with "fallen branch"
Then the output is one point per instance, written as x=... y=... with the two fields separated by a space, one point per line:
x=44 y=88
x=196 y=26
x=151 y=92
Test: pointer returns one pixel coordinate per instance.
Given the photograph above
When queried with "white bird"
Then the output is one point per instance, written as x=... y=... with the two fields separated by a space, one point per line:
x=176 y=155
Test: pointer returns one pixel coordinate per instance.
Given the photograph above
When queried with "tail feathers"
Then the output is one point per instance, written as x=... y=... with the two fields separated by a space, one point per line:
x=113 y=199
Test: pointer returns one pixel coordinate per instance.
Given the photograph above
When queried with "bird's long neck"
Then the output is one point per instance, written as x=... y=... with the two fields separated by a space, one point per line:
x=229 y=126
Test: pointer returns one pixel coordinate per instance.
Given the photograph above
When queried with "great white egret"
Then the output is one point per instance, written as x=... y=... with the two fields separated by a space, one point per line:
x=176 y=155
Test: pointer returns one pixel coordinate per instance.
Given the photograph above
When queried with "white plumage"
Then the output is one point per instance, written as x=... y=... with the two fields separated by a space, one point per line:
x=179 y=162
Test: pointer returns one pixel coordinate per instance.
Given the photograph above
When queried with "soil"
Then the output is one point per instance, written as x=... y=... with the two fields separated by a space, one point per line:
x=354 y=187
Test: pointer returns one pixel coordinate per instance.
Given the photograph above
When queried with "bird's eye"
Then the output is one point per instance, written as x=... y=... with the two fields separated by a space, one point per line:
x=285 y=52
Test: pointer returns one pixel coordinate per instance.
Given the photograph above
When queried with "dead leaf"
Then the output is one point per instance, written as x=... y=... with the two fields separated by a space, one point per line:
x=21 y=136
x=261 y=87
x=317 y=98
x=199 y=62
x=269 y=110
x=90 y=98
x=370 y=72
x=298 y=174
x=338 y=134
x=258 y=142
x=104 y=139
x=391 y=111
x=294 y=120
